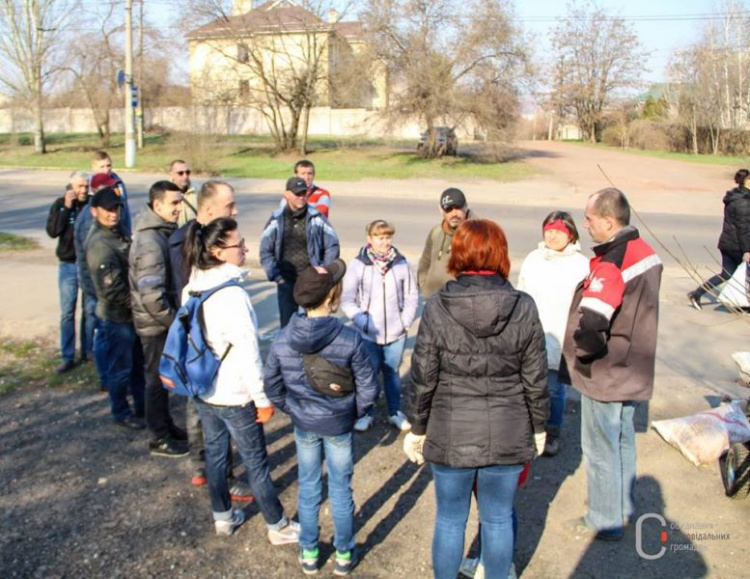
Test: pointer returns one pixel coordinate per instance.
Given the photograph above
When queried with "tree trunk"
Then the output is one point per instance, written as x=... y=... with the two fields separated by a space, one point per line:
x=305 y=127
x=40 y=145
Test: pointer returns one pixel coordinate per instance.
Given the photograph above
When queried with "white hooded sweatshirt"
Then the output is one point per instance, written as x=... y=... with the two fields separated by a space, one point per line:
x=551 y=277
x=230 y=319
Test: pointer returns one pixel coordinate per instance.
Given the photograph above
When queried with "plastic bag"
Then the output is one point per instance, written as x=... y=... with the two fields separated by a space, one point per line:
x=702 y=438
x=734 y=292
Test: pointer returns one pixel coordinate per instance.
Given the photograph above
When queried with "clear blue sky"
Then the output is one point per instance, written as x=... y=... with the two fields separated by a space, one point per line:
x=662 y=25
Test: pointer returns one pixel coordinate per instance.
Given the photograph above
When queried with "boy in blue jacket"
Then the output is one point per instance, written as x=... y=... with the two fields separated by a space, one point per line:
x=318 y=371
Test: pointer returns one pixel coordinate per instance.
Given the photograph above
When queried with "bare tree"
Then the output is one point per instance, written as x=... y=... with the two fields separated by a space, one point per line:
x=711 y=79
x=447 y=61
x=277 y=59
x=30 y=33
x=93 y=61
x=597 y=56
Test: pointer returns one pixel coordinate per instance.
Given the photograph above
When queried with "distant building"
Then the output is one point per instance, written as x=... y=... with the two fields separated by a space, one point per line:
x=234 y=60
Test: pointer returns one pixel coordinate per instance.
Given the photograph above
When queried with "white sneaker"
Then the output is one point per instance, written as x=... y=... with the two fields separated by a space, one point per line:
x=399 y=421
x=363 y=423
x=285 y=535
x=226 y=528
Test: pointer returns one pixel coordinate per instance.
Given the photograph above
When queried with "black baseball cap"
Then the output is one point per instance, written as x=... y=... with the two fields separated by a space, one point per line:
x=314 y=283
x=296 y=185
x=452 y=197
x=106 y=198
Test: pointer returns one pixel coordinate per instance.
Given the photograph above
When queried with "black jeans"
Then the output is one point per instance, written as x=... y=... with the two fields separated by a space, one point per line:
x=158 y=418
x=287 y=305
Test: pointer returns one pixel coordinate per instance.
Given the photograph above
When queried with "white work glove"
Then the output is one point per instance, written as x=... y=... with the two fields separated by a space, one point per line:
x=540 y=440
x=413 y=444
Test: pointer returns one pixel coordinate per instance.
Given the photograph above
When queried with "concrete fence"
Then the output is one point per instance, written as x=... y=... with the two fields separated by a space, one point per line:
x=230 y=120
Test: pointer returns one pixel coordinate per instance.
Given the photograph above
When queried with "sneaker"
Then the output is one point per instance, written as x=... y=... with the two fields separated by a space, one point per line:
x=226 y=528
x=344 y=563
x=399 y=421
x=695 y=300
x=309 y=560
x=285 y=535
x=552 y=445
x=199 y=477
x=177 y=433
x=363 y=424
x=580 y=528
x=240 y=491
x=131 y=423
x=65 y=367
x=168 y=448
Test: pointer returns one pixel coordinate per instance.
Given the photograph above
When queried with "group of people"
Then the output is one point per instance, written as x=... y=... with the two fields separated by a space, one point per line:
x=490 y=366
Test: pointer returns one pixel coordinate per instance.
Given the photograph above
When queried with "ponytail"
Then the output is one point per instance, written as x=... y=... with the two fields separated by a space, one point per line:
x=201 y=239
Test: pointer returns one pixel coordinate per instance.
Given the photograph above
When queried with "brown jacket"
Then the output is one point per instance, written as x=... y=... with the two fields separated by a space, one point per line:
x=610 y=340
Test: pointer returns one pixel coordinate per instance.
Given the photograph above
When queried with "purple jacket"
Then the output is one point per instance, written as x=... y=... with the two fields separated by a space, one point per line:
x=381 y=307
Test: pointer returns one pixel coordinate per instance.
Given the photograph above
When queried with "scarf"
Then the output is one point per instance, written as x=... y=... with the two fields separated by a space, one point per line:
x=382 y=261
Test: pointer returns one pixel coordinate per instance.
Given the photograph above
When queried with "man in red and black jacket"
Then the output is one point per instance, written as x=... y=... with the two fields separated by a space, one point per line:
x=610 y=352
x=60 y=225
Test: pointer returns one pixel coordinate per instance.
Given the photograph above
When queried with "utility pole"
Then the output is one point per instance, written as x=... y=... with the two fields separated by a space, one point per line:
x=129 y=125
x=139 y=110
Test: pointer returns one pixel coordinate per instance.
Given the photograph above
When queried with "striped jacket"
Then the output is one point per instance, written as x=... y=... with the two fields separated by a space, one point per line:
x=610 y=339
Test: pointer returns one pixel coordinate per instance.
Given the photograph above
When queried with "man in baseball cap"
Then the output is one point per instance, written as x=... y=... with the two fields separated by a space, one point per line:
x=294 y=238
x=432 y=271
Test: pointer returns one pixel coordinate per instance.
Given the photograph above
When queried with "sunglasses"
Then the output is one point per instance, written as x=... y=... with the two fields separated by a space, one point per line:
x=181 y=173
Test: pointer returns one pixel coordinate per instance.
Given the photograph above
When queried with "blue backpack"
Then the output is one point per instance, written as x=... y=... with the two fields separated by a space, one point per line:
x=188 y=365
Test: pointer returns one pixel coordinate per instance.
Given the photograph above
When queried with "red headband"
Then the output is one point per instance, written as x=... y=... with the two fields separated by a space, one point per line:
x=558 y=225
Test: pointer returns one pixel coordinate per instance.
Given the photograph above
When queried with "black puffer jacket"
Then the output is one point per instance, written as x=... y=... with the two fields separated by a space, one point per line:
x=152 y=293
x=480 y=374
x=735 y=231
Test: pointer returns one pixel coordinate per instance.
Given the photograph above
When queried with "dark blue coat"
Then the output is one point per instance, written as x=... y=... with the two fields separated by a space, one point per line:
x=288 y=389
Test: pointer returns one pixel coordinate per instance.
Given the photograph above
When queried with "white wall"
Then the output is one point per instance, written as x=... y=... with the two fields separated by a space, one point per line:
x=324 y=121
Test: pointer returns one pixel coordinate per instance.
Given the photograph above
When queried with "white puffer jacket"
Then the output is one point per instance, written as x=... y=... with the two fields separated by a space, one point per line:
x=230 y=319
x=551 y=277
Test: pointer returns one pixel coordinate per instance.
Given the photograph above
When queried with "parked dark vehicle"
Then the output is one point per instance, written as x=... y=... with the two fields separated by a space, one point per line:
x=442 y=141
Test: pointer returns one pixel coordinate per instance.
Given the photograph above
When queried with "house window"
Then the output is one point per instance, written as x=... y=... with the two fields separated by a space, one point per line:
x=244 y=88
x=243 y=54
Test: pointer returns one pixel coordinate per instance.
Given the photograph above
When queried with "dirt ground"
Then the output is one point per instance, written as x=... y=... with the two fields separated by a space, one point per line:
x=80 y=498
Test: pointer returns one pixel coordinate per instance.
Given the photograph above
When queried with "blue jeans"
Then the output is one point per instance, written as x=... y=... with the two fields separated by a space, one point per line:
x=608 y=445
x=67 y=282
x=496 y=493
x=238 y=422
x=93 y=341
x=558 y=394
x=386 y=358
x=124 y=368
x=339 y=457
x=287 y=305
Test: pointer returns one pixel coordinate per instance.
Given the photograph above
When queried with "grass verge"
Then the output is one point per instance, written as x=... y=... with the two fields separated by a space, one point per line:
x=688 y=157
x=32 y=363
x=12 y=242
x=250 y=156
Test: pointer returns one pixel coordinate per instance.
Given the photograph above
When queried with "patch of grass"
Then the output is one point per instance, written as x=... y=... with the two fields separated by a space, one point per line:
x=337 y=159
x=689 y=157
x=12 y=242
x=32 y=363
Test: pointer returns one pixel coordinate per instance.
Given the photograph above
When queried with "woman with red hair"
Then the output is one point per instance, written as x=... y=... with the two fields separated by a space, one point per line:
x=479 y=402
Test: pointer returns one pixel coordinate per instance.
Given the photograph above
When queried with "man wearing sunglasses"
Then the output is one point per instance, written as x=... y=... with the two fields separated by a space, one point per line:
x=179 y=174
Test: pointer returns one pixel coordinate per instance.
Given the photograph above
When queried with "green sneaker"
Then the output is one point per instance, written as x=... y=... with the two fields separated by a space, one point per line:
x=308 y=558
x=344 y=563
